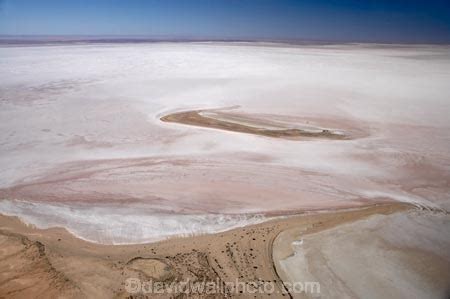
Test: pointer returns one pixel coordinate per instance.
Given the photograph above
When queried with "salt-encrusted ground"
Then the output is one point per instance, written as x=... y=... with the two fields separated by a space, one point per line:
x=81 y=133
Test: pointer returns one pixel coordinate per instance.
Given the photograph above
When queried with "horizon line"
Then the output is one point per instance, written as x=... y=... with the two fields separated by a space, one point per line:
x=18 y=39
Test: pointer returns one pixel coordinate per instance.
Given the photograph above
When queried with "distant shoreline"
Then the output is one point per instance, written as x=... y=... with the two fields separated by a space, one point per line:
x=108 y=39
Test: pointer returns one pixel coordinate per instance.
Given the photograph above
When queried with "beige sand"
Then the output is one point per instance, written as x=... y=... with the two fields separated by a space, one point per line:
x=52 y=262
x=248 y=124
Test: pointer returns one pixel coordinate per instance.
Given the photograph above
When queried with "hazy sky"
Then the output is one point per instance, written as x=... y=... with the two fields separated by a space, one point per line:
x=349 y=20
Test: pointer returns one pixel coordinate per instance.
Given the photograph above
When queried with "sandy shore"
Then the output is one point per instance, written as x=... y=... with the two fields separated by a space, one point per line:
x=52 y=262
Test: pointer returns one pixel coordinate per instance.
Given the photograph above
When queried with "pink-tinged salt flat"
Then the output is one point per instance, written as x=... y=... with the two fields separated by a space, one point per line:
x=82 y=133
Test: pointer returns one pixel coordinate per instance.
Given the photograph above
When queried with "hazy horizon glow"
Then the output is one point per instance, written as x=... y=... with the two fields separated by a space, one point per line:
x=346 y=20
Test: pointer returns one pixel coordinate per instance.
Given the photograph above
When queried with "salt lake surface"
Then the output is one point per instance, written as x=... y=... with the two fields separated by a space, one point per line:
x=83 y=147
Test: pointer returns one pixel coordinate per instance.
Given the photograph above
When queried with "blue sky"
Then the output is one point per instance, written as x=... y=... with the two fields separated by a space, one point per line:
x=345 y=20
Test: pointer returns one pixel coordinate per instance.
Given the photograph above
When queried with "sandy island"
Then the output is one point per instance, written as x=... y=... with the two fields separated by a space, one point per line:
x=251 y=125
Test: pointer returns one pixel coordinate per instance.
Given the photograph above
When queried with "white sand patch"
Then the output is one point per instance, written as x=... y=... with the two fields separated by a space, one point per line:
x=123 y=224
